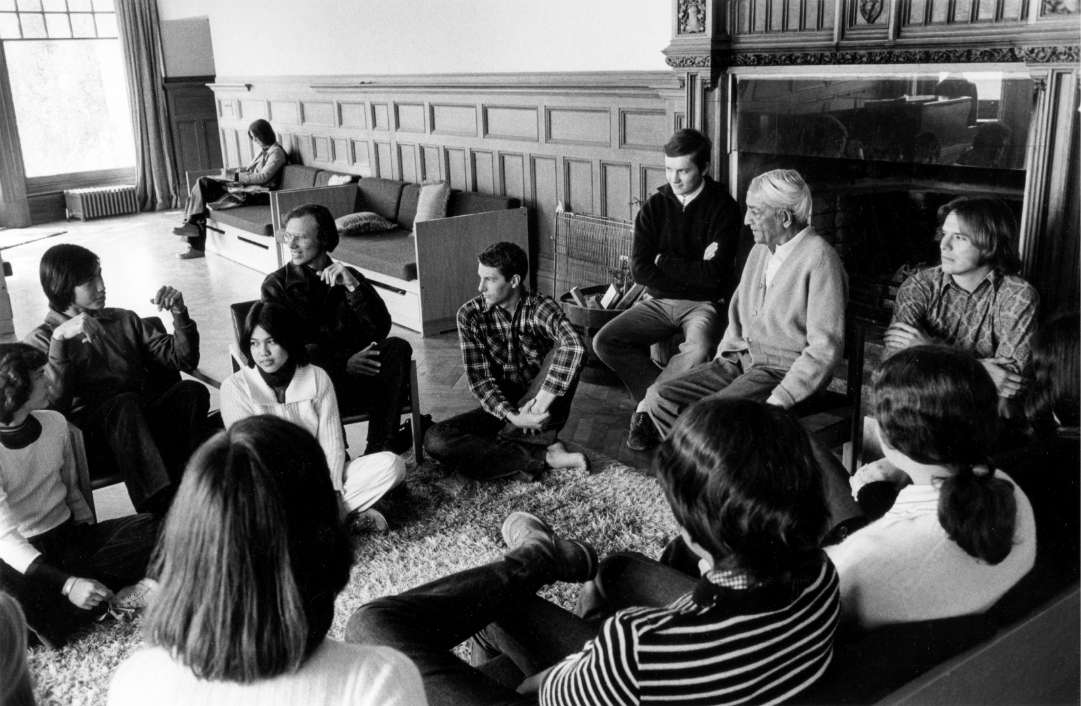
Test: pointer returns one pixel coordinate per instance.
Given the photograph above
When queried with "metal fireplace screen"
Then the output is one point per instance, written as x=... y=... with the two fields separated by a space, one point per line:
x=587 y=249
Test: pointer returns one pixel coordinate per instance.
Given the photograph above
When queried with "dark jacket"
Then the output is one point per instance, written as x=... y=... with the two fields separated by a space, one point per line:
x=681 y=237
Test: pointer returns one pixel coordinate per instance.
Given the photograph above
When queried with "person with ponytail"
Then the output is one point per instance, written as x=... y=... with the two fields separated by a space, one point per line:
x=960 y=533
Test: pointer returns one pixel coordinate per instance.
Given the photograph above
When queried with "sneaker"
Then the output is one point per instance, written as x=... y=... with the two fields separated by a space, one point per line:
x=642 y=436
x=575 y=562
x=191 y=254
x=369 y=521
x=402 y=439
x=134 y=598
x=188 y=230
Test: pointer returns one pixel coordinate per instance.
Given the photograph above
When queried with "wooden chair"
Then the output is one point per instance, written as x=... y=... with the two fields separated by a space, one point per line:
x=349 y=410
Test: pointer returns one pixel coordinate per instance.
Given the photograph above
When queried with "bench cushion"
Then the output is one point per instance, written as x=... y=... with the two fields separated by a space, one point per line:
x=380 y=195
x=297 y=176
x=254 y=219
x=393 y=253
x=323 y=177
x=465 y=202
x=407 y=207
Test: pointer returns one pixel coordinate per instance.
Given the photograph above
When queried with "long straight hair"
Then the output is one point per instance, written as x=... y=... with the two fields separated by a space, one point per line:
x=1056 y=367
x=937 y=405
x=743 y=482
x=252 y=555
x=15 y=686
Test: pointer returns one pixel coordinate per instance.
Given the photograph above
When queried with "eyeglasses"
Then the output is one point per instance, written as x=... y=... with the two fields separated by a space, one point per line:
x=284 y=236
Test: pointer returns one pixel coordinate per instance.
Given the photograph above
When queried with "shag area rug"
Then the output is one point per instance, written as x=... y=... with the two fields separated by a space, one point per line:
x=438 y=527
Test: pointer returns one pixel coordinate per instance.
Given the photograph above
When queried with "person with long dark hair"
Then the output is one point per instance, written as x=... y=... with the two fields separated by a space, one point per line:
x=16 y=688
x=756 y=627
x=262 y=174
x=280 y=380
x=251 y=559
x=960 y=533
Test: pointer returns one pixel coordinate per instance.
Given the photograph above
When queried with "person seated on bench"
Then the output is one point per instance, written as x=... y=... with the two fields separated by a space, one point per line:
x=973 y=299
x=786 y=321
x=61 y=566
x=756 y=627
x=685 y=240
x=100 y=359
x=246 y=185
x=280 y=381
x=960 y=533
x=523 y=359
x=346 y=326
x=250 y=561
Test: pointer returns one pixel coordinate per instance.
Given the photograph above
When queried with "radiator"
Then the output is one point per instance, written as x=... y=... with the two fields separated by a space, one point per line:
x=587 y=249
x=99 y=201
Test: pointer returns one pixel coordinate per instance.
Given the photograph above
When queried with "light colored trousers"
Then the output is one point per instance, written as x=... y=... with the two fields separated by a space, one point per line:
x=370 y=477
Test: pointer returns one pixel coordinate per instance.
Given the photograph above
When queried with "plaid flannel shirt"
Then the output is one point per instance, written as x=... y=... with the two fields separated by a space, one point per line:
x=498 y=347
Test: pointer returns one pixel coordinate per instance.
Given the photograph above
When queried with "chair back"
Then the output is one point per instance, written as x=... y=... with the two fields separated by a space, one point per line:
x=238 y=312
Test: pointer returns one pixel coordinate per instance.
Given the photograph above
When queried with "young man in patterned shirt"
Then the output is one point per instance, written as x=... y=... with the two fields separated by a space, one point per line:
x=973 y=300
x=522 y=359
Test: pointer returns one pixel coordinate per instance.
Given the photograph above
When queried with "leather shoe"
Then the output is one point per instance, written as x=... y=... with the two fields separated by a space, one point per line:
x=188 y=230
x=191 y=254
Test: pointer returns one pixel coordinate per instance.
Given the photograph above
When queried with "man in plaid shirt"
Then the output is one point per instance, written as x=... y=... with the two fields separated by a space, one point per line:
x=523 y=359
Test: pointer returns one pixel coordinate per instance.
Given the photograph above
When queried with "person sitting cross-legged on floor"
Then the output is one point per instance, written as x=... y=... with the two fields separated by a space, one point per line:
x=757 y=627
x=346 y=326
x=101 y=362
x=60 y=565
x=786 y=319
x=960 y=534
x=247 y=185
x=279 y=380
x=523 y=359
x=684 y=253
x=251 y=559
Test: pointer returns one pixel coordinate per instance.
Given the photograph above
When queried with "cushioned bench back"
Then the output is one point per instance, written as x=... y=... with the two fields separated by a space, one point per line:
x=407 y=207
x=297 y=176
x=465 y=202
x=381 y=196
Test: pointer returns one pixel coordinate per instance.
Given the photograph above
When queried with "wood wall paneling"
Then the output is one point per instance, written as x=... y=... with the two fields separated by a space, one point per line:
x=483 y=163
x=409 y=117
x=253 y=109
x=512 y=175
x=650 y=179
x=576 y=126
x=384 y=164
x=321 y=149
x=380 y=116
x=246 y=149
x=407 y=163
x=353 y=115
x=431 y=163
x=227 y=108
x=361 y=158
x=616 y=190
x=511 y=122
x=544 y=178
x=284 y=112
x=451 y=119
x=642 y=129
x=578 y=185
x=320 y=113
x=229 y=145
x=339 y=151
x=777 y=17
x=454 y=168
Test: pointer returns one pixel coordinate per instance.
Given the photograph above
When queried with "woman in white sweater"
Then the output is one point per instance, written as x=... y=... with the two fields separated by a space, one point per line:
x=960 y=533
x=251 y=559
x=280 y=381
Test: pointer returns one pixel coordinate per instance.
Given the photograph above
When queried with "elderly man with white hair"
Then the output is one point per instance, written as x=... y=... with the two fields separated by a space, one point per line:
x=786 y=319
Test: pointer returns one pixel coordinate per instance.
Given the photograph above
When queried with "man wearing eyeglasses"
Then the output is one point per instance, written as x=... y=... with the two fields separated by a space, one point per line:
x=347 y=324
x=786 y=318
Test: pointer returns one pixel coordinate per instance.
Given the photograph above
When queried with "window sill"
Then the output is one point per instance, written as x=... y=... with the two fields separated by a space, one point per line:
x=56 y=183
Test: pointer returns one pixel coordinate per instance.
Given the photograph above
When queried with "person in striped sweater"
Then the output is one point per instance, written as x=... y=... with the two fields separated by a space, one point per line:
x=756 y=627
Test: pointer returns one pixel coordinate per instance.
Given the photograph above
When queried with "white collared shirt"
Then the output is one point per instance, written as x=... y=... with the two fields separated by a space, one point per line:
x=687 y=198
x=780 y=254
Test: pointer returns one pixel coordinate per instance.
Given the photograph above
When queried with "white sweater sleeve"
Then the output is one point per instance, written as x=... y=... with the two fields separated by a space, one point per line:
x=331 y=436
x=236 y=403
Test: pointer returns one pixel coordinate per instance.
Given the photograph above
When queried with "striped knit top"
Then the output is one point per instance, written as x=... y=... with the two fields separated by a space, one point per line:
x=715 y=645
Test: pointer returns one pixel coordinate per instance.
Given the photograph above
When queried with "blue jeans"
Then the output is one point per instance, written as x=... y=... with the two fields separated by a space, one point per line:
x=498 y=599
x=623 y=343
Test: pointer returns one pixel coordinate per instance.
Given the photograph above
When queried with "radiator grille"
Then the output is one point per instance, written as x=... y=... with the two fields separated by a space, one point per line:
x=587 y=249
x=99 y=201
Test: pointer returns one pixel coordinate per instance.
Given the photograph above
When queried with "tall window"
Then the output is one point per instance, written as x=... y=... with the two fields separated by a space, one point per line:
x=68 y=85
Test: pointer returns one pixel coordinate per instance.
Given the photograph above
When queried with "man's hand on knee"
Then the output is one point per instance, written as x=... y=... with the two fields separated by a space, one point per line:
x=364 y=361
